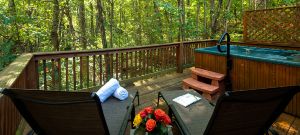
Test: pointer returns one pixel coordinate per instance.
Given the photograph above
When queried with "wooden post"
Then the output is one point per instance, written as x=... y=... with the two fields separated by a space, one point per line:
x=179 y=57
x=15 y=75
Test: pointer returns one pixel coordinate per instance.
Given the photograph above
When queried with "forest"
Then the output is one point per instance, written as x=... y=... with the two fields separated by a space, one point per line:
x=62 y=25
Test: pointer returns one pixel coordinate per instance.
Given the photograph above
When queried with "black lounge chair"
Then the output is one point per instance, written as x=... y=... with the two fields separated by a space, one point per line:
x=63 y=113
x=250 y=112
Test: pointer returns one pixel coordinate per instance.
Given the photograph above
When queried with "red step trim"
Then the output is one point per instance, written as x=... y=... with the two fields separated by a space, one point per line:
x=208 y=74
x=206 y=88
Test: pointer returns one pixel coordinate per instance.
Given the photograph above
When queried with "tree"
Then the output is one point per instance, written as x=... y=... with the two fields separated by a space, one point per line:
x=54 y=34
x=111 y=23
x=197 y=19
x=82 y=24
x=158 y=21
x=215 y=17
x=100 y=23
x=227 y=14
x=92 y=26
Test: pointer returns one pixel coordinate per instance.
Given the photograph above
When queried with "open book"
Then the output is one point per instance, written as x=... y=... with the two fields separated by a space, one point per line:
x=186 y=99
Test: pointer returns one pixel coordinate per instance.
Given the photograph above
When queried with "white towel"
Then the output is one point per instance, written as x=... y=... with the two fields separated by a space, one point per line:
x=108 y=89
x=121 y=93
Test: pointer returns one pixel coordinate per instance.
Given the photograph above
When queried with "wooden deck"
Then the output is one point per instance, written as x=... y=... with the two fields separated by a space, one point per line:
x=149 y=88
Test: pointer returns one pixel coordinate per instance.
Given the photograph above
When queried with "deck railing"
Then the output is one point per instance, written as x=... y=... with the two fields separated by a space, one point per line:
x=76 y=70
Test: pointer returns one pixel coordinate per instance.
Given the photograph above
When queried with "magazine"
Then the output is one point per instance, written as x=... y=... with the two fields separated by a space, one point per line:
x=186 y=99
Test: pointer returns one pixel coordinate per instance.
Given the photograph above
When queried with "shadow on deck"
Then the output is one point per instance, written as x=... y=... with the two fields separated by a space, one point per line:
x=149 y=88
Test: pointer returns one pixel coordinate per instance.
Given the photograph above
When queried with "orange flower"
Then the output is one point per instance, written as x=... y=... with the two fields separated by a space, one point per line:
x=167 y=120
x=148 y=110
x=150 y=125
x=159 y=114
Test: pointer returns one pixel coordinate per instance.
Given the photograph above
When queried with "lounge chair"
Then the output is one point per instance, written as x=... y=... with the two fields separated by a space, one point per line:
x=250 y=112
x=63 y=113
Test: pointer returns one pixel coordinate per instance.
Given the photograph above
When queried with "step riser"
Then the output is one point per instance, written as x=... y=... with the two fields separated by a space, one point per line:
x=209 y=83
x=191 y=83
x=207 y=74
x=213 y=82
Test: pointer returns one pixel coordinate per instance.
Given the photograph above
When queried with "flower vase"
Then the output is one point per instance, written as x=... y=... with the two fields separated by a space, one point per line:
x=142 y=131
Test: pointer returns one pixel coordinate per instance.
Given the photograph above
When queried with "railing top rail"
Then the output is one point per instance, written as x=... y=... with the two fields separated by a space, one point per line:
x=68 y=54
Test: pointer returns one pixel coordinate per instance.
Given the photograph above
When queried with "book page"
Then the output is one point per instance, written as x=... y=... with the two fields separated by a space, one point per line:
x=186 y=99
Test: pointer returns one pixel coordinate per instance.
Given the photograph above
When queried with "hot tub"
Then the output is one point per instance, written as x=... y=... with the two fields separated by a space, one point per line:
x=255 y=67
x=276 y=56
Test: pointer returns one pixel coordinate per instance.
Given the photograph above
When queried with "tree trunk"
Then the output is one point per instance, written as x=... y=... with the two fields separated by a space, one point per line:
x=212 y=14
x=55 y=21
x=61 y=26
x=70 y=19
x=214 y=22
x=13 y=13
x=92 y=26
x=169 y=24
x=82 y=24
x=205 y=20
x=227 y=12
x=188 y=4
x=197 y=19
x=120 y=25
x=158 y=21
x=137 y=18
x=181 y=21
x=103 y=36
x=111 y=22
x=101 y=23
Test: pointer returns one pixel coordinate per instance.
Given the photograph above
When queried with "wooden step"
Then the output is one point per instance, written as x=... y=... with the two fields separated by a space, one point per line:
x=207 y=74
x=203 y=87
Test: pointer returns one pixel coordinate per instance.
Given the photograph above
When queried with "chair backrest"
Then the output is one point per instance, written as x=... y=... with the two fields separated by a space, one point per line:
x=249 y=112
x=57 y=112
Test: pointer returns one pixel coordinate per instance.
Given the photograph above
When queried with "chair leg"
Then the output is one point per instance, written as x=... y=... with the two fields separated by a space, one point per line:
x=132 y=115
x=138 y=96
x=158 y=97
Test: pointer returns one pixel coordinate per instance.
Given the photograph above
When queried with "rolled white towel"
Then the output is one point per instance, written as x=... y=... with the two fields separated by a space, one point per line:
x=108 y=89
x=121 y=93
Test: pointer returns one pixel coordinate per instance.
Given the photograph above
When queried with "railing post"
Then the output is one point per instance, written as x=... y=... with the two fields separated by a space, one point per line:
x=107 y=67
x=179 y=57
x=19 y=74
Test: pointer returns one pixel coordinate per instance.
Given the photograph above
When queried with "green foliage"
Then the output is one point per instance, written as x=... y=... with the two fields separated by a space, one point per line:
x=28 y=27
x=6 y=53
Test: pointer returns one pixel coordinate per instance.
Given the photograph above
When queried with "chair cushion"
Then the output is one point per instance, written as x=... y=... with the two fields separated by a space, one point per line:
x=117 y=113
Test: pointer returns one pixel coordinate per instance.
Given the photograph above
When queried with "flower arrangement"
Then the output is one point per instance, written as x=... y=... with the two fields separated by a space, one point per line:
x=152 y=121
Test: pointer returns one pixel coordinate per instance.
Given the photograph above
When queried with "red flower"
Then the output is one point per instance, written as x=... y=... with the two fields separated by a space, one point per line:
x=143 y=113
x=148 y=110
x=167 y=120
x=150 y=125
x=159 y=114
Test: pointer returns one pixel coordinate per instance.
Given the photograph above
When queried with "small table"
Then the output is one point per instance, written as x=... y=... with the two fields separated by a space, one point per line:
x=192 y=119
